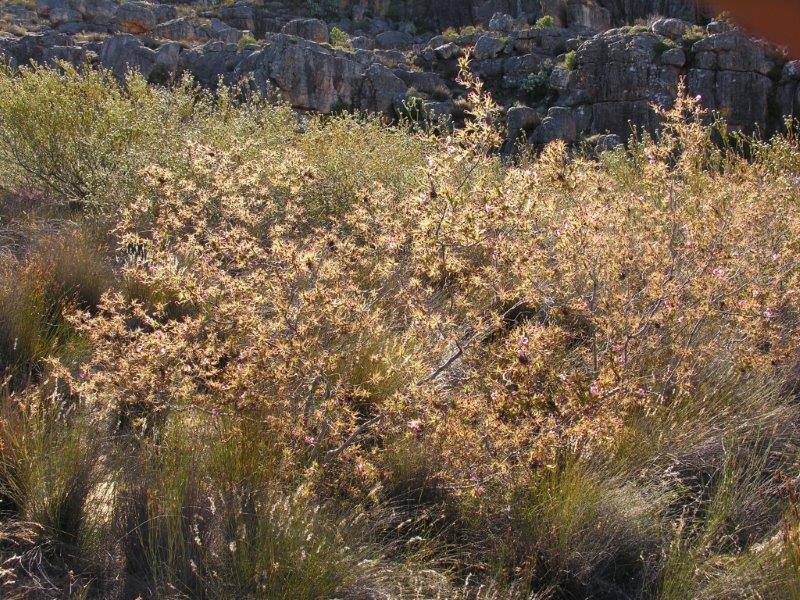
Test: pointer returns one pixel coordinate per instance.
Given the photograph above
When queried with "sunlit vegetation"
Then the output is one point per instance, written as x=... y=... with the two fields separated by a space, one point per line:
x=251 y=354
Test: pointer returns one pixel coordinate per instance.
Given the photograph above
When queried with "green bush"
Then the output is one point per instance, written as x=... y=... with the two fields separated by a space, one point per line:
x=545 y=22
x=537 y=84
x=570 y=60
x=246 y=40
x=340 y=39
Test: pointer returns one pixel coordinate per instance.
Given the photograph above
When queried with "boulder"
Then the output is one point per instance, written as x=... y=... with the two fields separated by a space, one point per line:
x=309 y=29
x=487 y=47
x=502 y=22
x=715 y=27
x=381 y=90
x=448 y=51
x=519 y=119
x=425 y=82
x=607 y=142
x=124 y=52
x=212 y=62
x=240 y=15
x=178 y=29
x=675 y=57
x=57 y=11
x=136 y=17
x=396 y=40
x=559 y=124
x=578 y=14
x=310 y=76
x=101 y=12
x=362 y=42
x=619 y=75
x=670 y=28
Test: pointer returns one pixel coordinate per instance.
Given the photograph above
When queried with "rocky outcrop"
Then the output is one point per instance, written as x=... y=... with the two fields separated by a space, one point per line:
x=620 y=75
x=578 y=13
x=309 y=29
x=570 y=81
x=731 y=74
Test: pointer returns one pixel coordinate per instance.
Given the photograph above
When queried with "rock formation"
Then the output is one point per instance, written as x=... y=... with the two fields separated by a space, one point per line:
x=575 y=75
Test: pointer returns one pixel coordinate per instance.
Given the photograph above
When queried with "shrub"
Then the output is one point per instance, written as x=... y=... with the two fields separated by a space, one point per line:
x=340 y=39
x=570 y=60
x=545 y=22
x=318 y=316
x=537 y=84
x=70 y=134
x=246 y=40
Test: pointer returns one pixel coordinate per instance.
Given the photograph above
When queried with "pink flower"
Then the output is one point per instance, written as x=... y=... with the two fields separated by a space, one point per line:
x=768 y=314
x=415 y=425
x=594 y=389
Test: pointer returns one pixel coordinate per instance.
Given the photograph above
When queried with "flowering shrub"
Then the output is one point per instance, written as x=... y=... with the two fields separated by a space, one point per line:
x=402 y=316
x=512 y=311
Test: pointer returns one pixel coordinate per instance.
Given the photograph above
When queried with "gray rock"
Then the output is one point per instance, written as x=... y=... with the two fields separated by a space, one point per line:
x=179 y=29
x=124 y=52
x=487 y=47
x=670 y=28
x=715 y=27
x=502 y=22
x=211 y=62
x=75 y=55
x=239 y=16
x=674 y=56
x=394 y=40
x=742 y=97
x=578 y=13
x=101 y=12
x=362 y=42
x=791 y=71
x=559 y=124
x=448 y=51
x=136 y=17
x=309 y=29
x=390 y=58
x=381 y=90
x=58 y=11
x=435 y=42
x=425 y=82
x=521 y=118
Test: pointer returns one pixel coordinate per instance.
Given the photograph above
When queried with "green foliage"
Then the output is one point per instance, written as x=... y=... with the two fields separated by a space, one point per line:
x=570 y=60
x=693 y=34
x=246 y=40
x=545 y=22
x=537 y=84
x=340 y=39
